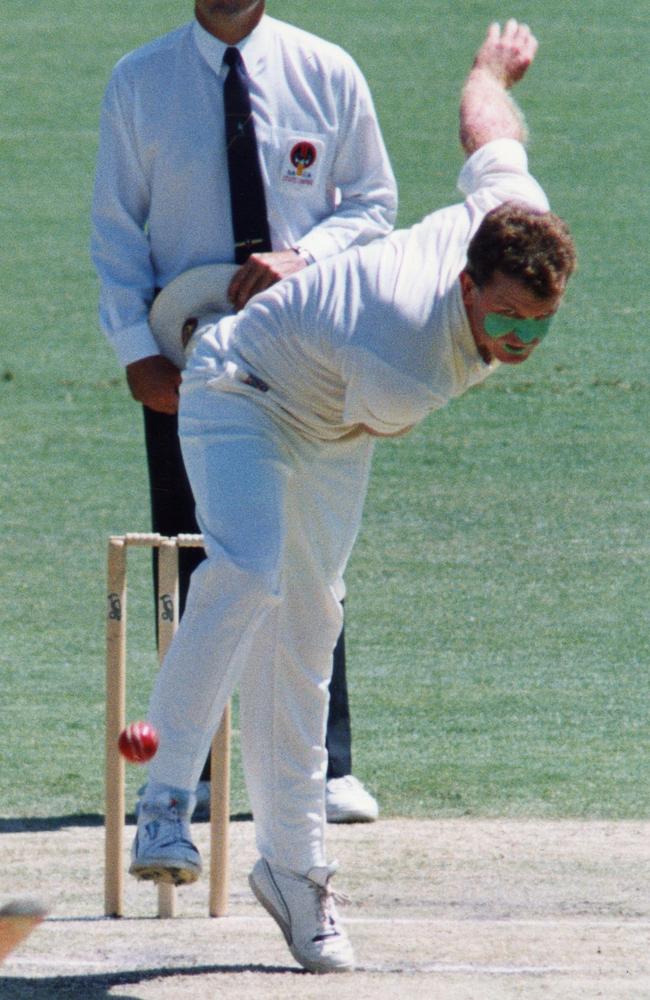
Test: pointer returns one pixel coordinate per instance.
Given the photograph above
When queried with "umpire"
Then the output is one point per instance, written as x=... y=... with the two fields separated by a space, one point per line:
x=235 y=138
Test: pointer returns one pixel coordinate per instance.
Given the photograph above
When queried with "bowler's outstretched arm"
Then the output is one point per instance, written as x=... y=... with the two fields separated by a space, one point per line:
x=487 y=111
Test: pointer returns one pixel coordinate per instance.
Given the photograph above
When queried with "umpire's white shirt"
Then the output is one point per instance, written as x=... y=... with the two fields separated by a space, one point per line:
x=377 y=336
x=161 y=202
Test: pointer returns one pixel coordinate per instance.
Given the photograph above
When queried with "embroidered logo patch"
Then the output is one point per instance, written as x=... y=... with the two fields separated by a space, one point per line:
x=303 y=156
x=301 y=163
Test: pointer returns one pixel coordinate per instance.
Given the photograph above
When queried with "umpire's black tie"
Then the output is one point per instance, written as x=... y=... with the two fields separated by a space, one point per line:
x=248 y=204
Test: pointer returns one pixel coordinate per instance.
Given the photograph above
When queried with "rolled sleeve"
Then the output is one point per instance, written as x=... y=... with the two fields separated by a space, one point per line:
x=498 y=172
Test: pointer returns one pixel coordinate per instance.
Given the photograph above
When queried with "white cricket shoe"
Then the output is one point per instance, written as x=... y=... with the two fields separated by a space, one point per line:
x=347 y=801
x=163 y=850
x=303 y=907
x=202 y=807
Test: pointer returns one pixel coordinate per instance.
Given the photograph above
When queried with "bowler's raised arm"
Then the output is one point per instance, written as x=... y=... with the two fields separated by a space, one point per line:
x=487 y=111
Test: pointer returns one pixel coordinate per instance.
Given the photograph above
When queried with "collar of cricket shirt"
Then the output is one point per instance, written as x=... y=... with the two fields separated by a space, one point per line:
x=253 y=47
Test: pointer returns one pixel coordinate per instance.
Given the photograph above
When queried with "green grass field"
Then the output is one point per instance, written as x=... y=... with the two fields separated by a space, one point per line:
x=498 y=595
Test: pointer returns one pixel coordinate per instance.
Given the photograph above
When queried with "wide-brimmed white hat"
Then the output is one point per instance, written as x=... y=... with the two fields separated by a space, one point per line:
x=176 y=311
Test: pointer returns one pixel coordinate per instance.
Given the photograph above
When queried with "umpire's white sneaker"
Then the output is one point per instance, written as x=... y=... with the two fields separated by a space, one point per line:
x=163 y=850
x=303 y=907
x=347 y=801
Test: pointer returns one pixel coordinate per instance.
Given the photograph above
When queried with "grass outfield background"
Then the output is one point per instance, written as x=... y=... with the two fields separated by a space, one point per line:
x=498 y=595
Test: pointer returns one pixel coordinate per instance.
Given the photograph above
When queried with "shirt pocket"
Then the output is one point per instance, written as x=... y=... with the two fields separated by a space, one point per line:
x=298 y=163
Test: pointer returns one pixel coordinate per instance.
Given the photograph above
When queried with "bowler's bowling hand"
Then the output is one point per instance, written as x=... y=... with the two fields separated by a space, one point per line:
x=507 y=54
x=154 y=381
x=260 y=271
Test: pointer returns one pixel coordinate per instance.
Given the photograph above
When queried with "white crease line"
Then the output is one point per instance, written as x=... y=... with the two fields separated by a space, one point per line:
x=576 y=920
x=473 y=968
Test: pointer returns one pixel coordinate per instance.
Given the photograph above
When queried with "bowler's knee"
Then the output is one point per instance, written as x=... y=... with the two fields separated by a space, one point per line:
x=220 y=575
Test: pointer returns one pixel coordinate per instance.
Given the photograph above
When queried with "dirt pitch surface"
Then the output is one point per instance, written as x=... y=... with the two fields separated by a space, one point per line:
x=448 y=909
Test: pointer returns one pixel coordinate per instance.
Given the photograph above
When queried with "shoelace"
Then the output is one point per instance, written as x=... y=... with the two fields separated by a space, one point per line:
x=326 y=897
x=156 y=814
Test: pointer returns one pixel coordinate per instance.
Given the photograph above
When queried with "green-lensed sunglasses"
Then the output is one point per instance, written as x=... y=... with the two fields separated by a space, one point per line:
x=497 y=325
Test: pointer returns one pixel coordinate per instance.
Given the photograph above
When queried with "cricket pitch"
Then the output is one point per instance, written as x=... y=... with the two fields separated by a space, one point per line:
x=456 y=909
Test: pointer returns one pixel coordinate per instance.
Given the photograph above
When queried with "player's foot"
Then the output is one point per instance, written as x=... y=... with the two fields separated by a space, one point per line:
x=303 y=907
x=202 y=807
x=163 y=850
x=347 y=801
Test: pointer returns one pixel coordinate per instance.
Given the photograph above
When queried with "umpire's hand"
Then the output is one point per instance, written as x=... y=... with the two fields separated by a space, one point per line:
x=260 y=271
x=154 y=381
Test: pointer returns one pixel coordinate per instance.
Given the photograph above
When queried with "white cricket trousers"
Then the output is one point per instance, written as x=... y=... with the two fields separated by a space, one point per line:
x=279 y=514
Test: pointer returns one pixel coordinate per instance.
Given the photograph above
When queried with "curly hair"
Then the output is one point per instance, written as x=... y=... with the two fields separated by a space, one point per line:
x=532 y=246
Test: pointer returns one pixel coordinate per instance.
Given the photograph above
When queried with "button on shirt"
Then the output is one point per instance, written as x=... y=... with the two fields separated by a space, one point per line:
x=161 y=202
x=377 y=336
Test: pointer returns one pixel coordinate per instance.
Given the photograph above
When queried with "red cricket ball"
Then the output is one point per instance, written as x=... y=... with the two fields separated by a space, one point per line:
x=138 y=742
